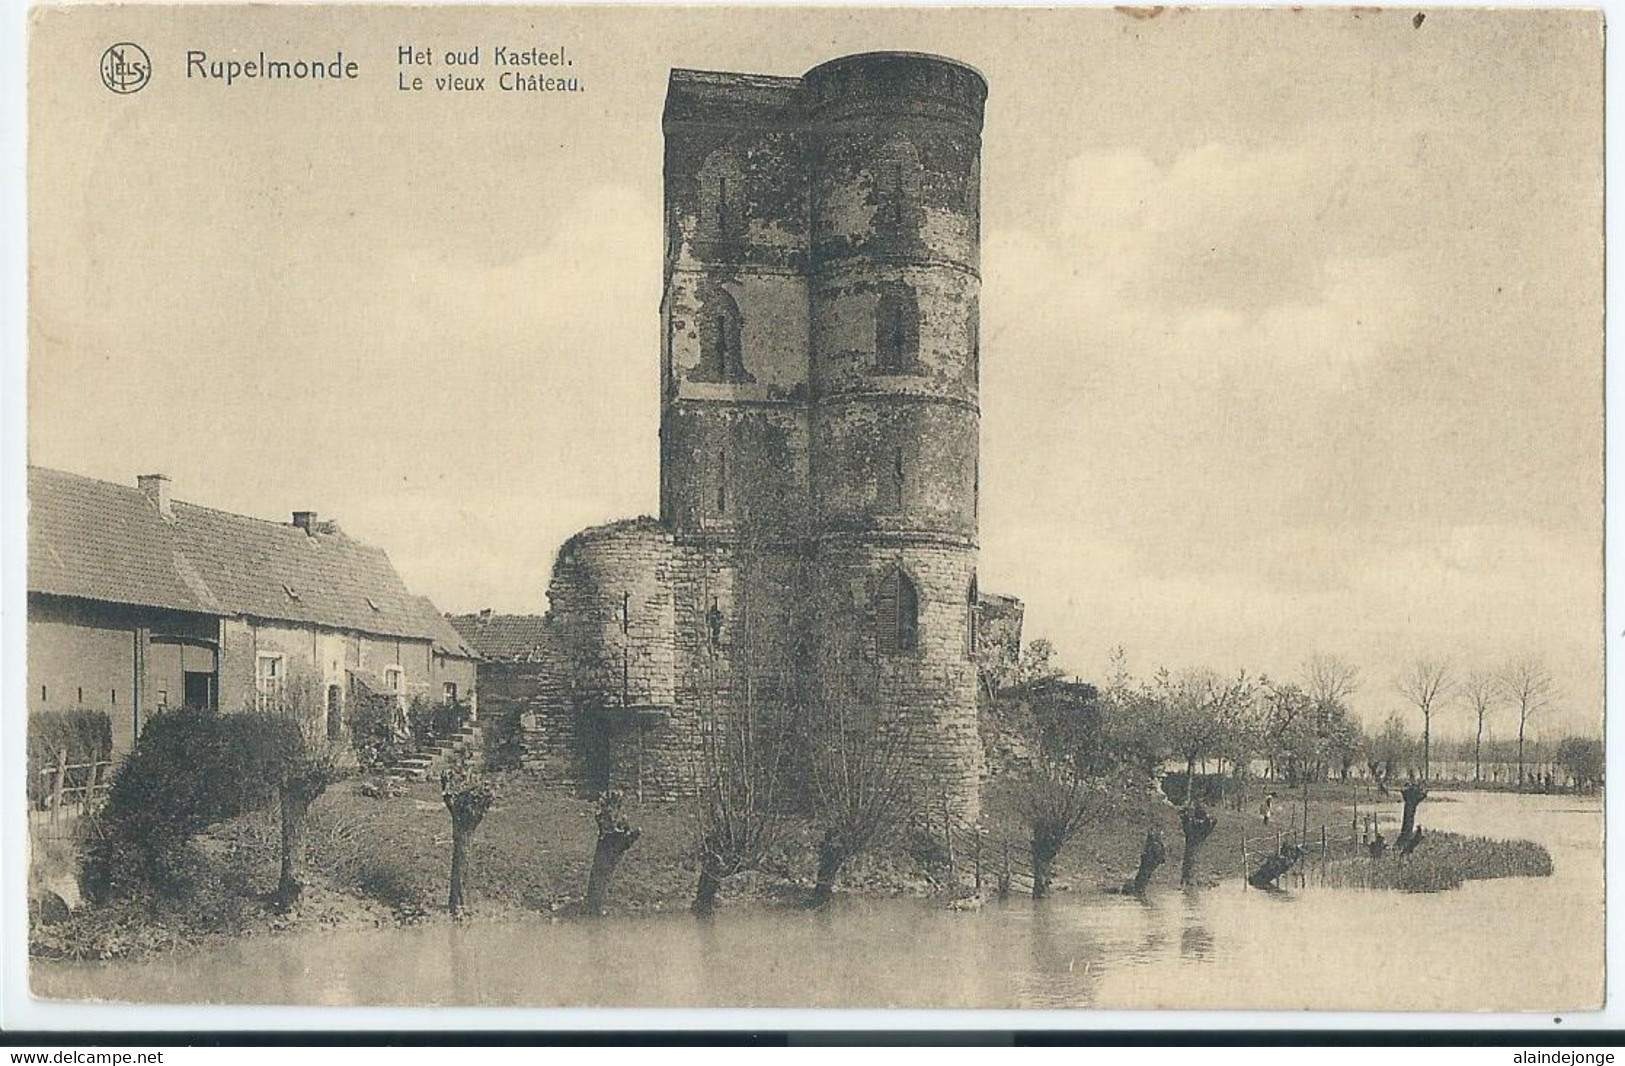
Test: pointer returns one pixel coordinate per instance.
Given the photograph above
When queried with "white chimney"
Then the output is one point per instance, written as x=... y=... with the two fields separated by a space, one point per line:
x=156 y=488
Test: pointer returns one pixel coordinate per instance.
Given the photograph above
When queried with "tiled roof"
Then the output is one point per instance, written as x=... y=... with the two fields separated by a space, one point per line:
x=100 y=541
x=447 y=641
x=505 y=637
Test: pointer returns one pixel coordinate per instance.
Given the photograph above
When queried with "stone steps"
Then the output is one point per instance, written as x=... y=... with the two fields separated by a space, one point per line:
x=436 y=755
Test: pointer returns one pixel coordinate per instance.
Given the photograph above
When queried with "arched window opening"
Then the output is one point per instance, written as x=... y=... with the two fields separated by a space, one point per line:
x=722 y=355
x=897 y=614
x=897 y=328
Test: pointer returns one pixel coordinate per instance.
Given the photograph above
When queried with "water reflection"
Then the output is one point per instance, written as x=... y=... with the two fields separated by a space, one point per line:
x=1195 y=938
x=1488 y=945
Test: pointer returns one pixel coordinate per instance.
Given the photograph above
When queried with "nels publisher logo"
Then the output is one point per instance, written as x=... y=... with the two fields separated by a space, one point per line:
x=126 y=68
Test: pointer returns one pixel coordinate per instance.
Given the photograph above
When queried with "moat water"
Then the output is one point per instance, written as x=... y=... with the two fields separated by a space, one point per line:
x=1534 y=943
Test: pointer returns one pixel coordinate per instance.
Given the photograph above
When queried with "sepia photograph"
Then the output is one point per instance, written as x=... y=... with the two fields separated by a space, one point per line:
x=814 y=507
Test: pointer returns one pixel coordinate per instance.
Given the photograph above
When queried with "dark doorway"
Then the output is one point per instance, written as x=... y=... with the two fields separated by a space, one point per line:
x=200 y=689
x=335 y=712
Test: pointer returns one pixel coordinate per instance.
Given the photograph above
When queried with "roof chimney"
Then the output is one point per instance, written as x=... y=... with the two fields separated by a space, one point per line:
x=306 y=520
x=485 y=616
x=156 y=488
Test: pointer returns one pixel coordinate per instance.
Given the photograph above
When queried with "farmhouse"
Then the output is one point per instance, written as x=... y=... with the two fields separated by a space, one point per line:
x=138 y=603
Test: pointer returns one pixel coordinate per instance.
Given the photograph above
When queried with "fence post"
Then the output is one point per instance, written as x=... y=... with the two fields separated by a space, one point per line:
x=976 y=860
x=61 y=782
x=1244 y=860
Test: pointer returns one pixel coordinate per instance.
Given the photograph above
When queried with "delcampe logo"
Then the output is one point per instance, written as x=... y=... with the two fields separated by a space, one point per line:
x=126 y=68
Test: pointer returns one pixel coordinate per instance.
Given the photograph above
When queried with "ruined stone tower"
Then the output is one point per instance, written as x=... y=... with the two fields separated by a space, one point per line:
x=819 y=431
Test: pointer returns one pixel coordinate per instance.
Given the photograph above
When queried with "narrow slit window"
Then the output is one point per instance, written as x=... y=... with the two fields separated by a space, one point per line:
x=722 y=481
x=972 y=633
x=897 y=329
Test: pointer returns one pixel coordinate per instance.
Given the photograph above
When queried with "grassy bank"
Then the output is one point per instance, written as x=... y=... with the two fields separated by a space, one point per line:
x=1444 y=861
x=376 y=861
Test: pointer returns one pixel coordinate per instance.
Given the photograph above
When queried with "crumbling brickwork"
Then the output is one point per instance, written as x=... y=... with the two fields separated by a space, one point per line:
x=819 y=436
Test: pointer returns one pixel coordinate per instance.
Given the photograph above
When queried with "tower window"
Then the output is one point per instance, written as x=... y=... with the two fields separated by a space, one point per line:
x=896 y=185
x=897 y=614
x=713 y=619
x=972 y=634
x=975 y=331
x=722 y=481
x=722 y=355
x=730 y=218
x=897 y=329
x=723 y=214
x=891 y=484
x=893 y=214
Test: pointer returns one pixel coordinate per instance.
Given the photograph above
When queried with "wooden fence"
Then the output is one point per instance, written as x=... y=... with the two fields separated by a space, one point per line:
x=69 y=790
x=981 y=858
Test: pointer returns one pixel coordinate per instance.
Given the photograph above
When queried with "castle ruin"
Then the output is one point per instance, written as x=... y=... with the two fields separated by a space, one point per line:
x=818 y=437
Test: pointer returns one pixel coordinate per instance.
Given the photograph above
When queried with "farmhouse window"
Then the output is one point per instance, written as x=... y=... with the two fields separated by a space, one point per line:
x=268 y=677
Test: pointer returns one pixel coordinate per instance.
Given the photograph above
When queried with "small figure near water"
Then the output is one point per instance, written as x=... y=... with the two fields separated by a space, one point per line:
x=1378 y=845
x=1273 y=867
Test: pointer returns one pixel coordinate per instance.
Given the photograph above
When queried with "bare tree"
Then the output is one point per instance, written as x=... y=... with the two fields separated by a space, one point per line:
x=742 y=739
x=1078 y=774
x=861 y=761
x=1481 y=692
x=1329 y=680
x=1427 y=683
x=736 y=821
x=1528 y=686
x=467 y=799
x=294 y=758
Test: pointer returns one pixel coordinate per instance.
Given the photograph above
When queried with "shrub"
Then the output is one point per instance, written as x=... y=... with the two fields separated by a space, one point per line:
x=191 y=769
x=86 y=735
x=504 y=741
x=373 y=728
x=1209 y=788
x=432 y=721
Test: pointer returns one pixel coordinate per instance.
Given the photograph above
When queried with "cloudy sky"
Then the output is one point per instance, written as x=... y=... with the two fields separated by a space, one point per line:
x=1291 y=321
